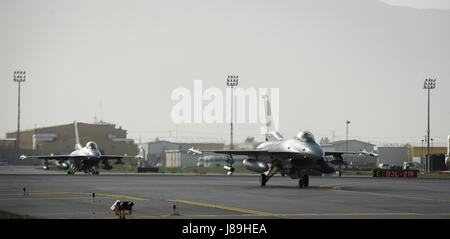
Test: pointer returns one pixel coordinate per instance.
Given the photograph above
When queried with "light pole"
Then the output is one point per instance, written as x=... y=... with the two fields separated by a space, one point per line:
x=19 y=76
x=428 y=85
x=346 y=135
x=421 y=157
x=232 y=81
x=346 y=143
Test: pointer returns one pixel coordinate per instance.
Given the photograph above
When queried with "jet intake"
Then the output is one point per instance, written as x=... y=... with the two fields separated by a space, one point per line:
x=256 y=165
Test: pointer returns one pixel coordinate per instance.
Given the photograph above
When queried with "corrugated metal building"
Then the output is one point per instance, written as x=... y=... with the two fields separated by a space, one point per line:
x=172 y=152
x=353 y=146
x=394 y=155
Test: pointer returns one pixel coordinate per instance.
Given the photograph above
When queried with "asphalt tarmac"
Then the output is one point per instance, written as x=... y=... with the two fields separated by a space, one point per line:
x=54 y=195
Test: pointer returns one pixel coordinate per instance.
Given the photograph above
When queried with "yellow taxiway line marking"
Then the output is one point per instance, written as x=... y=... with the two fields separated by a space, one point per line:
x=393 y=195
x=259 y=213
x=327 y=187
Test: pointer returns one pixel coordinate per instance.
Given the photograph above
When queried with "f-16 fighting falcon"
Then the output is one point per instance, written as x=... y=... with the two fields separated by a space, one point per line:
x=295 y=157
x=82 y=159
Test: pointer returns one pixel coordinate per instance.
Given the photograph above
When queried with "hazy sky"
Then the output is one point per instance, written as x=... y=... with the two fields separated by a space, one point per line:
x=420 y=4
x=332 y=61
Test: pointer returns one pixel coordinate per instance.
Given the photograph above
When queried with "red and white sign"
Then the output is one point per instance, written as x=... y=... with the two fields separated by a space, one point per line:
x=400 y=173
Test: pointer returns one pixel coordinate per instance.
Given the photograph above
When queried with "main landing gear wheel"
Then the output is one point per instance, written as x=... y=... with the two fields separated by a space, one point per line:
x=263 y=180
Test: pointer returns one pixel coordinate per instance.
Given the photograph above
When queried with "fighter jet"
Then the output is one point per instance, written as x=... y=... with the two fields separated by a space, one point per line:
x=81 y=159
x=367 y=153
x=295 y=157
x=194 y=151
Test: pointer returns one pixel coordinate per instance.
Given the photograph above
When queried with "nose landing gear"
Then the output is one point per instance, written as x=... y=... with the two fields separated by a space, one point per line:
x=303 y=181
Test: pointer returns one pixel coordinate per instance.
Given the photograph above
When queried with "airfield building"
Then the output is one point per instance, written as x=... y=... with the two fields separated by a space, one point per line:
x=353 y=146
x=396 y=154
x=172 y=152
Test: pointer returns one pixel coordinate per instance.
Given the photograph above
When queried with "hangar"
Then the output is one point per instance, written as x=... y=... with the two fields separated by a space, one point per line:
x=353 y=146
x=172 y=152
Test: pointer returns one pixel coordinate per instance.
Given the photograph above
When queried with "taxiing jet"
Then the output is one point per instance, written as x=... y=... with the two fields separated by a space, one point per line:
x=295 y=157
x=82 y=159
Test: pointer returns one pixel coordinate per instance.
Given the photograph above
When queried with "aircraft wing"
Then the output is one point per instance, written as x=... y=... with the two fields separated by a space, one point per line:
x=110 y=157
x=260 y=152
x=287 y=154
x=339 y=153
x=238 y=151
x=118 y=158
x=76 y=157
x=53 y=157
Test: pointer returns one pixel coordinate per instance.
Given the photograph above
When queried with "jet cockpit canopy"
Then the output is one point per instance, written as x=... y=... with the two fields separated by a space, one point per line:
x=91 y=145
x=305 y=136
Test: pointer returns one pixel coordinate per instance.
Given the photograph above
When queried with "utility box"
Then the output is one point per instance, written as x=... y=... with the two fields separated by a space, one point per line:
x=437 y=162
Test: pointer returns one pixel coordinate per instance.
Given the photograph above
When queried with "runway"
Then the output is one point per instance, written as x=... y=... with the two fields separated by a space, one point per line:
x=56 y=195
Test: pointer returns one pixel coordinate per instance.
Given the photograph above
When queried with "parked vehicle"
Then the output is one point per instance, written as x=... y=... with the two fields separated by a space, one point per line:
x=383 y=166
x=409 y=165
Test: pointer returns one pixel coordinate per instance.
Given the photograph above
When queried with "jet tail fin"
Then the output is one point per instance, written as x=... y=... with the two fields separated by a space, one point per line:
x=77 y=138
x=269 y=126
x=271 y=134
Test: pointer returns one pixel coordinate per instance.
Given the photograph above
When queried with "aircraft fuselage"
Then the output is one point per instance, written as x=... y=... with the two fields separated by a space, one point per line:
x=313 y=156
